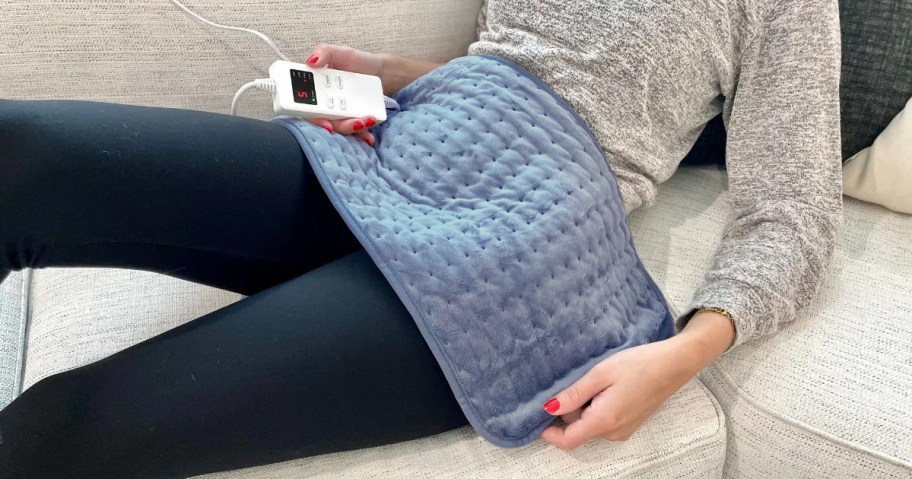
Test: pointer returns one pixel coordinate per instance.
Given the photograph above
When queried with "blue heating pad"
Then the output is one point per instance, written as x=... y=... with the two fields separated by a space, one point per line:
x=491 y=210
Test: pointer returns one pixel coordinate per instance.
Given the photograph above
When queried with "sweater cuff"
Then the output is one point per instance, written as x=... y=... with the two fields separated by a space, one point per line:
x=734 y=296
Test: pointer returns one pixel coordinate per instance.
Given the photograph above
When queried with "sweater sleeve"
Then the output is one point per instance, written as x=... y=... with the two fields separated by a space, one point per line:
x=784 y=167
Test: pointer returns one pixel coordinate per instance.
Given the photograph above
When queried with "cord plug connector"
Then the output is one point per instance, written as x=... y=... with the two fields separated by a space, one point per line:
x=266 y=84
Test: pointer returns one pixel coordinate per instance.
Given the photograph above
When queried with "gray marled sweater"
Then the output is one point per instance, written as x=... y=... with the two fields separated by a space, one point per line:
x=647 y=75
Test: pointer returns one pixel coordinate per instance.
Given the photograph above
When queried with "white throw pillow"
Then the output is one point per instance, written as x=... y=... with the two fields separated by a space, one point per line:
x=882 y=173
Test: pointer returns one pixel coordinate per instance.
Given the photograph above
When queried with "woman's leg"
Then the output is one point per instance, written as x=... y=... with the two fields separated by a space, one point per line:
x=326 y=362
x=220 y=200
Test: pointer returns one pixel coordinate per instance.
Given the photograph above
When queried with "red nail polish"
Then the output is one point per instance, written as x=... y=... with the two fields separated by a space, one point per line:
x=328 y=129
x=313 y=60
x=358 y=126
x=552 y=405
x=370 y=122
x=369 y=141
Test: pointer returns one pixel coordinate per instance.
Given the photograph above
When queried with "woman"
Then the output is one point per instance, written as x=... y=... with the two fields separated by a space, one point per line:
x=330 y=359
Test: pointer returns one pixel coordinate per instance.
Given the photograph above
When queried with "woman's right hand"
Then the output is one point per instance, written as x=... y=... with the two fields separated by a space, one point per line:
x=347 y=59
x=395 y=72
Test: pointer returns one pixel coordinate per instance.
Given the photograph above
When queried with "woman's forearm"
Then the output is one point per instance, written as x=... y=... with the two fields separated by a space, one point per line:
x=397 y=72
x=706 y=336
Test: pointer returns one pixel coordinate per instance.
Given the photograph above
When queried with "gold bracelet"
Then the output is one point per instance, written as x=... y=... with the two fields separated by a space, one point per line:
x=713 y=309
x=723 y=312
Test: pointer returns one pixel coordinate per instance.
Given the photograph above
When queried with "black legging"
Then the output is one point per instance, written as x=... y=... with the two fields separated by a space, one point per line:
x=321 y=357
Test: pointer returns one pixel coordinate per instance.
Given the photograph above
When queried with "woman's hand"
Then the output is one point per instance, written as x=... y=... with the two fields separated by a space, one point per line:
x=628 y=387
x=394 y=72
x=347 y=59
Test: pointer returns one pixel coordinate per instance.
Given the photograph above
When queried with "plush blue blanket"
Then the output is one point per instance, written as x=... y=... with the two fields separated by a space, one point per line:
x=490 y=208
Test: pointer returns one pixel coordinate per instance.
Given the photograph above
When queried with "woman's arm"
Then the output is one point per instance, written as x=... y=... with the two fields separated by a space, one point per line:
x=785 y=181
x=784 y=168
x=396 y=72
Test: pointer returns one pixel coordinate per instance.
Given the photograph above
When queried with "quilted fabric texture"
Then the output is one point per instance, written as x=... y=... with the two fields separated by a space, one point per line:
x=489 y=207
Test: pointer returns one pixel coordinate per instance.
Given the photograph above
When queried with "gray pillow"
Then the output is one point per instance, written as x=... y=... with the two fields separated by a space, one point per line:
x=876 y=67
x=876 y=76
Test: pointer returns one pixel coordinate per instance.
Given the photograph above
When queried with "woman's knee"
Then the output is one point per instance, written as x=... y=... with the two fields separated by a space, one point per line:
x=16 y=118
x=24 y=144
x=29 y=167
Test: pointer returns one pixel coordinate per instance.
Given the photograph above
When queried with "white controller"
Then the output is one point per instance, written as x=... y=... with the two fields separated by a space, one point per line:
x=325 y=93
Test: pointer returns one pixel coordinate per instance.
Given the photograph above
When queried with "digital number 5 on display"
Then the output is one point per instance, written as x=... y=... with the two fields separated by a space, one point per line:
x=302 y=86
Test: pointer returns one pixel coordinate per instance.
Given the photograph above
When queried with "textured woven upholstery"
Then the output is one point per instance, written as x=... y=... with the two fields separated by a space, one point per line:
x=12 y=335
x=876 y=67
x=147 y=52
x=81 y=315
x=829 y=395
x=825 y=398
x=684 y=440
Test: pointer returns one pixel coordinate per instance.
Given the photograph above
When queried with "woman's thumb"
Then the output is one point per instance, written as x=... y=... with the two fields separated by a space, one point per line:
x=576 y=395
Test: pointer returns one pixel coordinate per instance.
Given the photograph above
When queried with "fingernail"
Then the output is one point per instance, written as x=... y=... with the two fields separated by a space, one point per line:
x=328 y=129
x=313 y=60
x=370 y=122
x=369 y=141
x=358 y=126
x=552 y=405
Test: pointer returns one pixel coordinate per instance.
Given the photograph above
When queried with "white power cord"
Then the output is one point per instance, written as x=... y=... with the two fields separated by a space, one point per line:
x=236 y=29
x=261 y=83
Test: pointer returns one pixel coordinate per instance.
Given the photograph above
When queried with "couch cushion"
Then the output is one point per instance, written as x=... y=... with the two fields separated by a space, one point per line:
x=685 y=439
x=151 y=53
x=82 y=315
x=79 y=316
x=13 y=310
x=829 y=395
x=882 y=172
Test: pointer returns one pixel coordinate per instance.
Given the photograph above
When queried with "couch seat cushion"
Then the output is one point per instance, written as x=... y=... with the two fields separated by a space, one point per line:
x=13 y=310
x=829 y=395
x=82 y=315
x=685 y=439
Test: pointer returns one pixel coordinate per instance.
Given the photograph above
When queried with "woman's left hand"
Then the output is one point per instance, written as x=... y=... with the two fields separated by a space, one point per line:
x=627 y=388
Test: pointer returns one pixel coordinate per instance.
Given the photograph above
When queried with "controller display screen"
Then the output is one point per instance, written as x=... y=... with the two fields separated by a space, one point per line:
x=303 y=88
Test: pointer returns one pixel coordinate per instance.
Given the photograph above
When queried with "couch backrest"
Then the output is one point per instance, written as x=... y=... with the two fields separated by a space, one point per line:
x=148 y=52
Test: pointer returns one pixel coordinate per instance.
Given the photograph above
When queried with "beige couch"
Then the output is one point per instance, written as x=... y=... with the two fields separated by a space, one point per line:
x=829 y=397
